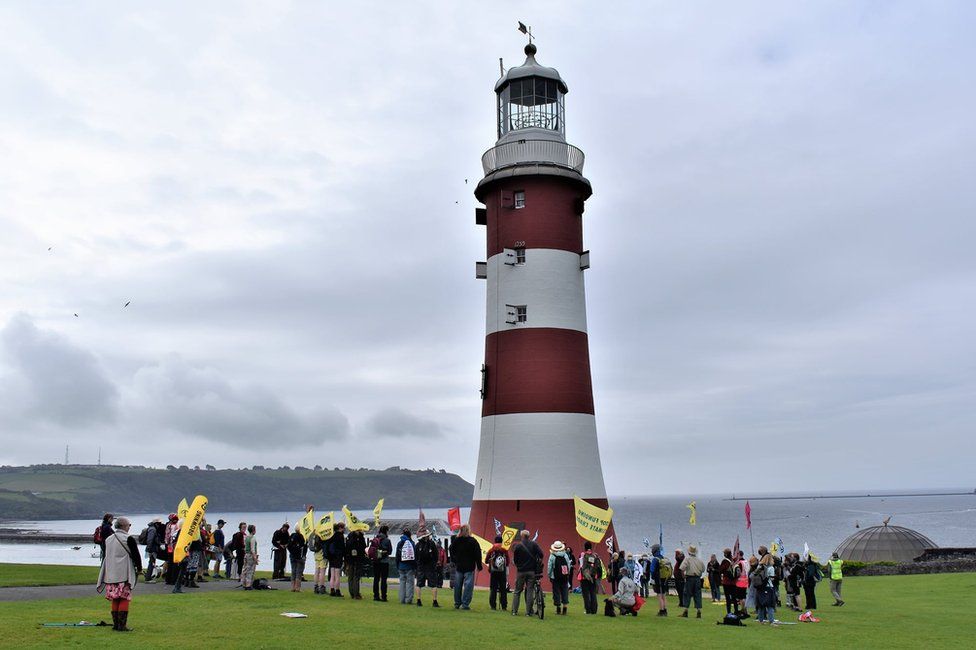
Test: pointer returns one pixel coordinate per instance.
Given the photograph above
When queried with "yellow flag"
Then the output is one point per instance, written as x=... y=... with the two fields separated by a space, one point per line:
x=508 y=536
x=694 y=512
x=592 y=521
x=191 y=527
x=774 y=548
x=182 y=508
x=324 y=528
x=484 y=544
x=376 y=513
x=352 y=522
x=306 y=525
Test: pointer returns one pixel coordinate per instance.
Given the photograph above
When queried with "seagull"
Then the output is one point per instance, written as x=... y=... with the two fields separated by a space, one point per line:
x=456 y=202
x=886 y=520
x=465 y=182
x=75 y=548
x=126 y=304
x=52 y=247
x=76 y=315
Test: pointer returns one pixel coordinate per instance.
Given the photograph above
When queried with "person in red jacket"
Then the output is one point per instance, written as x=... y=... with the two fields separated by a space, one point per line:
x=497 y=561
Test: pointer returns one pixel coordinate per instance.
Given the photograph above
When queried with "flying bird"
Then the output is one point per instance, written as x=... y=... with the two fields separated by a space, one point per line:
x=76 y=315
x=126 y=304
x=465 y=182
x=75 y=548
x=52 y=247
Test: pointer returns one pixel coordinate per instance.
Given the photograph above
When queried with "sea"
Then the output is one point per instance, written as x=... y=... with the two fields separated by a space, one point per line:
x=821 y=522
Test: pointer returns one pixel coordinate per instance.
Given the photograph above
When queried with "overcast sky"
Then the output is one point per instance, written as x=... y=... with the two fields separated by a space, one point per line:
x=783 y=284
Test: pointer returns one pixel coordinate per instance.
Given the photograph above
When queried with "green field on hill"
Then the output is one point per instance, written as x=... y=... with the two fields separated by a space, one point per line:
x=929 y=611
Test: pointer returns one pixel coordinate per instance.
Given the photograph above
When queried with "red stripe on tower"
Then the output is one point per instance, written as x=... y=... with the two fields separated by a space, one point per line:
x=539 y=444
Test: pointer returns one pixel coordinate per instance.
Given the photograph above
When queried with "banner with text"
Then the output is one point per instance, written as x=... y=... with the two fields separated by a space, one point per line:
x=592 y=521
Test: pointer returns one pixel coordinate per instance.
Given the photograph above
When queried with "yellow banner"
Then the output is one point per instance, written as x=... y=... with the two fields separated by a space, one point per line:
x=774 y=548
x=508 y=536
x=377 y=511
x=182 y=508
x=324 y=528
x=592 y=522
x=352 y=521
x=306 y=525
x=484 y=544
x=191 y=527
x=694 y=513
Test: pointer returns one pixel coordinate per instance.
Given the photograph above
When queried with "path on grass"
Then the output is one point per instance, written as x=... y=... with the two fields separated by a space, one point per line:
x=16 y=594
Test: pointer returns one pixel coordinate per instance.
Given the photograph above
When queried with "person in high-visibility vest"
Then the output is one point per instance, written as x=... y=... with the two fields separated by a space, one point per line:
x=835 y=567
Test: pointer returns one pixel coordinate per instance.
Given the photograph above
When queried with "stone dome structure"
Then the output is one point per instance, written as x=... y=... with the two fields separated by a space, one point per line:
x=884 y=544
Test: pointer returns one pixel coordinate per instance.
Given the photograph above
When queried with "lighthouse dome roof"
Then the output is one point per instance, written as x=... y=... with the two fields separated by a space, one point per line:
x=531 y=68
x=884 y=543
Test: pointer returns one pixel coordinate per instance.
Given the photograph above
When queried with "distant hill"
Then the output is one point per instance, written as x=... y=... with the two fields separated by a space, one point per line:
x=81 y=491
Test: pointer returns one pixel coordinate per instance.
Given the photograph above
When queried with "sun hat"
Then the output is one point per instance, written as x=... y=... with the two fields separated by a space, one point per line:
x=557 y=547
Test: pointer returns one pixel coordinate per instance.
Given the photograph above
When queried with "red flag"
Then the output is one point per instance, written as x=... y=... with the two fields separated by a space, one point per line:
x=454 y=518
x=748 y=516
x=421 y=520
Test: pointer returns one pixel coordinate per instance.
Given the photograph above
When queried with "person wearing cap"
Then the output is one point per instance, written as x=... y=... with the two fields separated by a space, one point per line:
x=406 y=562
x=466 y=554
x=693 y=568
x=558 y=570
x=527 y=558
x=279 y=551
x=218 y=543
x=497 y=562
x=430 y=571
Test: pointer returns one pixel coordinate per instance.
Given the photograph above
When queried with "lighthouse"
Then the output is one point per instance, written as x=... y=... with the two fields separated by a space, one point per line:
x=539 y=444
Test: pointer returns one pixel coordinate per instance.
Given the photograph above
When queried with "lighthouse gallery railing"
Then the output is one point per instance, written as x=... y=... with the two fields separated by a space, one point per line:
x=549 y=152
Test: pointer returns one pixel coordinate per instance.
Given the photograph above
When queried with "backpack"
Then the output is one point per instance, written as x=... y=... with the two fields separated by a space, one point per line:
x=315 y=543
x=560 y=567
x=664 y=569
x=758 y=578
x=97 y=536
x=374 y=545
x=591 y=565
x=144 y=536
x=441 y=556
x=498 y=563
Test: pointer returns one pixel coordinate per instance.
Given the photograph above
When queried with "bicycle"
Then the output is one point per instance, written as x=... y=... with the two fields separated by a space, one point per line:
x=539 y=599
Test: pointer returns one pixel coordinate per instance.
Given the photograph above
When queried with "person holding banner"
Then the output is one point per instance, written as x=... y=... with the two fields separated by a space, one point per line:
x=355 y=556
x=590 y=576
x=119 y=572
x=335 y=552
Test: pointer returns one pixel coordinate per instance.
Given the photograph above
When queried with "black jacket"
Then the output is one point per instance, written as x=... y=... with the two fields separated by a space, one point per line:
x=466 y=554
x=296 y=546
x=527 y=556
x=335 y=548
x=279 y=540
x=355 y=548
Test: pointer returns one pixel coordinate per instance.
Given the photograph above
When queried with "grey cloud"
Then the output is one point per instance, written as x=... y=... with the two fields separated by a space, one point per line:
x=394 y=423
x=51 y=379
x=199 y=402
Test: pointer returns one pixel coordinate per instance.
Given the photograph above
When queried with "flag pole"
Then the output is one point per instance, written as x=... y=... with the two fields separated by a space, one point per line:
x=752 y=543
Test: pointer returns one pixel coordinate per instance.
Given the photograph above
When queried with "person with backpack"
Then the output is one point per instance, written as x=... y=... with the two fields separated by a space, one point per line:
x=527 y=558
x=590 y=576
x=279 y=551
x=317 y=546
x=379 y=552
x=692 y=568
x=103 y=532
x=558 y=570
x=793 y=577
x=466 y=555
x=237 y=546
x=728 y=569
x=835 y=567
x=751 y=588
x=762 y=580
x=430 y=568
x=297 y=551
x=406 y=561
x=498 y=561
x=335 y=552
x=661 y=571
x=152 y=540
x=742 y=584
x=355 y=556
x=812 y=574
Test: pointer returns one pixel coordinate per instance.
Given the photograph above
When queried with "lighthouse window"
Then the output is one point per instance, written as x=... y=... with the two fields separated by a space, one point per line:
x=520 y=313
x=519 y=199
x=520 y=256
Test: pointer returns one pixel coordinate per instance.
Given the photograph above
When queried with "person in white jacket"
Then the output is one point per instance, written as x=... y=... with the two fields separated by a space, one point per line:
x=119 y=572
x=626 y=596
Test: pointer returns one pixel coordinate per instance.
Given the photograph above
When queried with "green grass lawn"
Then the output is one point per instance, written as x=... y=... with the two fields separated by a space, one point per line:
x=43 y=575
x=881 y=612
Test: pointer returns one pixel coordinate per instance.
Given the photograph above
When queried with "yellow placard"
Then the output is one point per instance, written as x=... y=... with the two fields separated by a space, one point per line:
x=182 y=509
x=306 y=525
x=693 y=519
x=592 y=521
x=377 y=511
x=352 y=521
x=484 y=544
x=191 y=527
x=508 y=536
x=324 y=528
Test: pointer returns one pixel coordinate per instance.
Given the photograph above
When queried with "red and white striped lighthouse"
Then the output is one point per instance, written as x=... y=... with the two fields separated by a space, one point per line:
x=538 y=433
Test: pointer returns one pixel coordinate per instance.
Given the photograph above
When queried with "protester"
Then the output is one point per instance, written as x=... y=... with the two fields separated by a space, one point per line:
x=466 y=555
x=297 y=550
x=497 y=560
x=527 y=558
x=750 y=588
x=660 y=574
x=812 y=575
x=153 y=544
x=355 y=556
x=430 y=569
x=218 y=543
x=169 y=538
x=406 y=559
x=237 y=545
x=119 y=572
x=590 y=575
x=190 y=565
x=728 y=568
x=679 y=577
x=692 y=568
x=626 y=595
x=572 y=565
x=644 y=564
x=335 y=553
x=558 y=570
x=763 y=578
x=250 y=559
x=742 y=584
x=835 y=567
x=279 y=551
x=613 y=570
x=380 y=550
x=794 y=573
x=206 y=540
x=714 y=570
x=317 y=545
x=104 y=531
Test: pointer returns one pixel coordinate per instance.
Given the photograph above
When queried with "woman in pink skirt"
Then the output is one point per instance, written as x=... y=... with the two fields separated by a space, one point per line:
x=118 y=574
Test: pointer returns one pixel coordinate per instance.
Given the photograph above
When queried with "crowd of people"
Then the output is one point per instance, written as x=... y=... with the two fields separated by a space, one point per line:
x=421 y=562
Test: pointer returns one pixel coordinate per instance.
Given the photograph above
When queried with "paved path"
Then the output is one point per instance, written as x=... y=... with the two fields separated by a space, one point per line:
x=13 y=594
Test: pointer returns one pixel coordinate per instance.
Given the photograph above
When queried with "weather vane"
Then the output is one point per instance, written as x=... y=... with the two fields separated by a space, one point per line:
x=525 y=30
